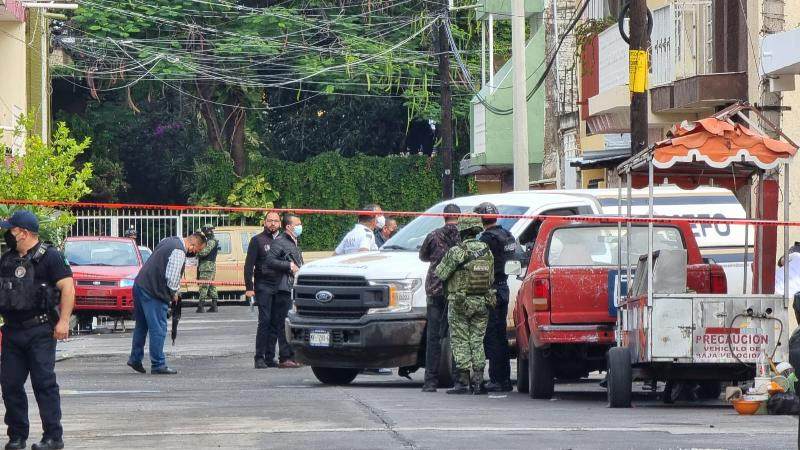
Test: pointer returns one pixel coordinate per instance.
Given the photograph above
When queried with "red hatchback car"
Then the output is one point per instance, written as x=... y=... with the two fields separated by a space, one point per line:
x=103 y=269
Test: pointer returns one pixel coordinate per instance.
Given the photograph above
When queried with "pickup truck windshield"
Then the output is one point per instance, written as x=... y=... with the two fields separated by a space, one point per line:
x=599 y=246
x=100 y=253
x=411 y=236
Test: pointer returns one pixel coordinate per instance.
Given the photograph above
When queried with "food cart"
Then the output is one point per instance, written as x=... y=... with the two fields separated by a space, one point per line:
x=664 y=332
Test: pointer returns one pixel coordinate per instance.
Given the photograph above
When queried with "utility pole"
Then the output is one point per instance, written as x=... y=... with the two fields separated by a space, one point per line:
x=520 y=102
x=639 y=43
x=446 y=126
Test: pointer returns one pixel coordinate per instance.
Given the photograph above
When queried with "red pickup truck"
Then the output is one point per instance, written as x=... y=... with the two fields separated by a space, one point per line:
x=565 y=314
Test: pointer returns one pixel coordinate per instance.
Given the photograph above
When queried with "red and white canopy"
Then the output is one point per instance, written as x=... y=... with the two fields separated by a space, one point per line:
x=719 y=144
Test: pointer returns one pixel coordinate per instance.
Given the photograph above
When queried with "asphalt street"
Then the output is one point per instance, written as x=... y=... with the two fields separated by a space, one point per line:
x=219 y=401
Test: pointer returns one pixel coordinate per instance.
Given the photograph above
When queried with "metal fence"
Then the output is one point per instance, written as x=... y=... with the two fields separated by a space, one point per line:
x=151 y=225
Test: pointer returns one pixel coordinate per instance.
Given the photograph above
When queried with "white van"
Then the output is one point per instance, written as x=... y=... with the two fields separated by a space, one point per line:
x=367 y=310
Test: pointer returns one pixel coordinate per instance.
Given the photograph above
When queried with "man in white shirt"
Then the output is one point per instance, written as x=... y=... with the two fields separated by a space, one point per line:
x=362 y=237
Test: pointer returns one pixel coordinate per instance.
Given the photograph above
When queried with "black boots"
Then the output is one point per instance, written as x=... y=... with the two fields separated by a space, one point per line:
x=201 y=306
x=477 y=386
x=461 y=385
x=213 y=307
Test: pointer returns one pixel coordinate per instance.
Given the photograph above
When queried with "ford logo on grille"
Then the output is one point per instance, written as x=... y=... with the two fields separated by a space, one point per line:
x=323 y=296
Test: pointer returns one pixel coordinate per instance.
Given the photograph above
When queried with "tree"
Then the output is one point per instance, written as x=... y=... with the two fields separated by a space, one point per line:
x=45 y=172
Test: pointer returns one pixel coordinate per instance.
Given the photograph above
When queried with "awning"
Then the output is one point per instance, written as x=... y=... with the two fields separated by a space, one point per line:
x=719 y=144
x=601 y=158
x=712 y=151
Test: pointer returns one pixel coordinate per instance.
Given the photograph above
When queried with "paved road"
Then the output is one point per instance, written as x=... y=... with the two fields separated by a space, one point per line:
x=220 y=401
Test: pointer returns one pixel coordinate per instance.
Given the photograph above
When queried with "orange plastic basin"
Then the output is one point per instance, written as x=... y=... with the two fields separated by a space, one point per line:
x=746 y=407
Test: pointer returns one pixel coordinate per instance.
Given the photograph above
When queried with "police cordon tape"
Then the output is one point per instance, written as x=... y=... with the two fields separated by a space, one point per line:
x=351 y=212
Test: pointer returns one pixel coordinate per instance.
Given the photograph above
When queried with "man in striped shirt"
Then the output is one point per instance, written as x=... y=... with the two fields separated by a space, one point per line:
x=157 y=285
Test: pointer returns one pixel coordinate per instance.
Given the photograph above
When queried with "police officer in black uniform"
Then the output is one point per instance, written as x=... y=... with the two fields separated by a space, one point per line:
x=36 y=299
x=503 y=246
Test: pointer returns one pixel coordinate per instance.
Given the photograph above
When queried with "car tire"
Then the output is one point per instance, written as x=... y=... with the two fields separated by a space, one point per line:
x=446 y=364
x=335 y=375
x=620 y=377
x=522 y=374
x=540 y=373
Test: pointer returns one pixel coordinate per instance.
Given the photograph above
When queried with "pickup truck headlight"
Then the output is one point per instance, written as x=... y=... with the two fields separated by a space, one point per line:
x=401 y=295
x=125 y=283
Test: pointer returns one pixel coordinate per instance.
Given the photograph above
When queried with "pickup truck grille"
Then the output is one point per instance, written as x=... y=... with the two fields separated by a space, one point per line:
x=334 y=313
x=330 y=281
x=323 y=297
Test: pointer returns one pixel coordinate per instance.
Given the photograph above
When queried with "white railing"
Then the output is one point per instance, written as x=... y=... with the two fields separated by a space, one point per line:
x=682 y=43
x=613 y=64
x=151 y=225
x=661 y=47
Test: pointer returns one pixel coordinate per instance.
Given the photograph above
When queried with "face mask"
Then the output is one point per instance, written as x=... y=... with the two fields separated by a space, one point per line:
x=11 y=241
x=381 y=221
x=298 y=230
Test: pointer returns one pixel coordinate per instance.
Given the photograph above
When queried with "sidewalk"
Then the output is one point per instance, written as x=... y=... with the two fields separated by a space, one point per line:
x=228 y=332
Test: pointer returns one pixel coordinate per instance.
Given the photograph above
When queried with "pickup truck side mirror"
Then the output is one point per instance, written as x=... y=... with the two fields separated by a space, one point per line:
x=513 y=268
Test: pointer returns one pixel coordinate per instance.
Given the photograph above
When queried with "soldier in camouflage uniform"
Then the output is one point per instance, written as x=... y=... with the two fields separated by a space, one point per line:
x=207 y=270
x=468 y=269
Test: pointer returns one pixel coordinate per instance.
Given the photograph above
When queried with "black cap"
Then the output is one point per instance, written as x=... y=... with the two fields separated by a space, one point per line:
x=22 y=219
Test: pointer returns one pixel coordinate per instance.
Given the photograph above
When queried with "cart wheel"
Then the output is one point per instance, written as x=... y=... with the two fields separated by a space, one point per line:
x=540 y=373
x=620 y=377
x=522 y=374
x=666 y=396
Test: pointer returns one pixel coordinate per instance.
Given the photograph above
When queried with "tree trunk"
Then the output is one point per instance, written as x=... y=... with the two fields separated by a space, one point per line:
x=208 y=111
x=237 y=143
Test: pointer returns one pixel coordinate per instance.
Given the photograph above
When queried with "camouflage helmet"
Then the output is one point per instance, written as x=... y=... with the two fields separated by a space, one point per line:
x=207 y=227
x=469 y=224
x=486 y=208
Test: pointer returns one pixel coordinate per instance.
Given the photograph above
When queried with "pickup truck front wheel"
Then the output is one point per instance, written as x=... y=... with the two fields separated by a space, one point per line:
x=540 y=373
x=620 y=377
x=335 y=376
x=446 y=364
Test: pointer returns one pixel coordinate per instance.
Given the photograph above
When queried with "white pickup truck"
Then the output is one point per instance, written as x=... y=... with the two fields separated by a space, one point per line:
x=367 y=310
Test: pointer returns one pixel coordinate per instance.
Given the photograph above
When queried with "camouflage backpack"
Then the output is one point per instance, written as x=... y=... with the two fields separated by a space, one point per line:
x=479 y=270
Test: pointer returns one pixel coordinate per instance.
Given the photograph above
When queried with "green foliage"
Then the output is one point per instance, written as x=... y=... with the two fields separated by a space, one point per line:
x=152 y=157
x=331 y=181
x=254 y=192
x=45 y=172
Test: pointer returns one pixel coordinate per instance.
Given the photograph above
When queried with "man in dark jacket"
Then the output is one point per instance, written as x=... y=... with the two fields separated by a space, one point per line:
x=503 y=247
x=433 y=249
x=257 y=280
x=156 y=285
x=284 y=259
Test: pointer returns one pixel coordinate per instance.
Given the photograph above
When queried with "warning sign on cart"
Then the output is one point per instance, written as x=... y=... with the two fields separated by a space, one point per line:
x=718 y=345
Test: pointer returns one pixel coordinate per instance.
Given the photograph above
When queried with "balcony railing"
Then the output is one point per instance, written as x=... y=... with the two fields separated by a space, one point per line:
x=682 y=42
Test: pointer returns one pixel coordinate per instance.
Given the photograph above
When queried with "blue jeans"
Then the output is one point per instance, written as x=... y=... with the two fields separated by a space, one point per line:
x=150 y=314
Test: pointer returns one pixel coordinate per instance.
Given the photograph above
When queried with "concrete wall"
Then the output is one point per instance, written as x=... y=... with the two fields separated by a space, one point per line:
x=13 y=95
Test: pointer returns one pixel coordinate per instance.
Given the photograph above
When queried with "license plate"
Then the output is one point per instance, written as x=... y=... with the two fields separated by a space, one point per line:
x=320 y=338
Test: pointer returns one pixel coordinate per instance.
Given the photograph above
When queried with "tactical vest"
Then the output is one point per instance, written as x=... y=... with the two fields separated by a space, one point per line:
x=18 y=288
x=479 y=270
x=508 y=246
x=212 y=255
